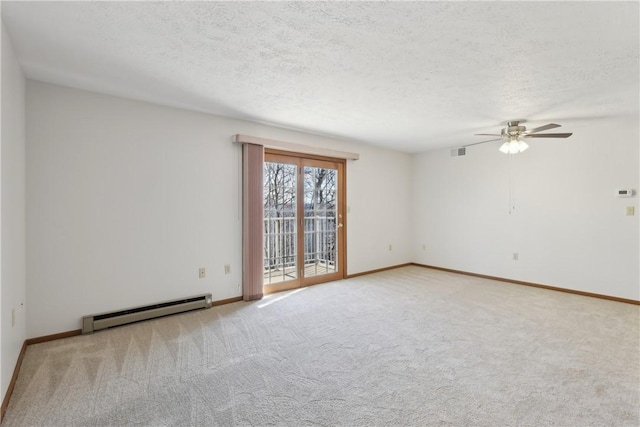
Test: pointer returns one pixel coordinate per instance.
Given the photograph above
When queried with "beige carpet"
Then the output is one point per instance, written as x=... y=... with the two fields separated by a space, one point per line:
x=410 y=346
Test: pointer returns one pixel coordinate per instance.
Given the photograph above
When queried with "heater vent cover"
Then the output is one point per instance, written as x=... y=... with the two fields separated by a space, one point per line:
x=96 y=322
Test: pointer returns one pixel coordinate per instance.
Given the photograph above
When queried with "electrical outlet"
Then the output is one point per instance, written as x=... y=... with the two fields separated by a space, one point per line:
x=227 y=269
x=390 y=248
x=424 y=247
x=202 y=273
x=515 y=256
x=631 y=210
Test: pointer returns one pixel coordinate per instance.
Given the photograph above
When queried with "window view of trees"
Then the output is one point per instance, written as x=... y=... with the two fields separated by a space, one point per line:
x=280 y=225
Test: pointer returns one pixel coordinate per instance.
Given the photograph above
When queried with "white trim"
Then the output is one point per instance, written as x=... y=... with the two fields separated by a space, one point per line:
x=297 y=148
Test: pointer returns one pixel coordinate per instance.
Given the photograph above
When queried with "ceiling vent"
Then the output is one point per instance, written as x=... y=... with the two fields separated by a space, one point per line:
x=455 y=152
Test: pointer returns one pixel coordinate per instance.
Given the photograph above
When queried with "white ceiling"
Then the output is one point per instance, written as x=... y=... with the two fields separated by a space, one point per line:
x=412 y=76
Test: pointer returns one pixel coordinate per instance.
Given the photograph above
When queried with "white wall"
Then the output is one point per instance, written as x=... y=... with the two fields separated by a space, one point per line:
x=379 y=214
x=126 y=200
x=568 y=227
x=12 y=211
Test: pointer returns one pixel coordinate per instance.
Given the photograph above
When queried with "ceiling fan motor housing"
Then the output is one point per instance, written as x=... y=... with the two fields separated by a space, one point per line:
x=513 y=130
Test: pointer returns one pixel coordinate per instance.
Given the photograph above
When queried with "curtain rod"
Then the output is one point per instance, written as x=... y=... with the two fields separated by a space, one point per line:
x=291 y=146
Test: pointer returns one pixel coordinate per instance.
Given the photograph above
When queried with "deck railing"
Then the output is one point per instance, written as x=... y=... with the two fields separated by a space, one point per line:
x=280 y=242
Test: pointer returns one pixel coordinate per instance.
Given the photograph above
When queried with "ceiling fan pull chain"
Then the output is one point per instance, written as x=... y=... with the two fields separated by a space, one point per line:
x=510 y=181
x=512 y=186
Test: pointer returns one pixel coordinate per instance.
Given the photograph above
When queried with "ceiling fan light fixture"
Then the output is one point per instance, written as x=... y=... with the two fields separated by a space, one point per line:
x=513 y=146
x=522 y=145
x=505 y=147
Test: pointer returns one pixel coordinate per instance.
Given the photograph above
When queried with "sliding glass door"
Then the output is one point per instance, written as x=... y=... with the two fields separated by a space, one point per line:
x=280 y=221
x=303 y=221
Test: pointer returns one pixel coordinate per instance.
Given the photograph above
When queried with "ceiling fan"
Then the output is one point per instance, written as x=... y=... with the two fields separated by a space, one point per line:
x=514 y=134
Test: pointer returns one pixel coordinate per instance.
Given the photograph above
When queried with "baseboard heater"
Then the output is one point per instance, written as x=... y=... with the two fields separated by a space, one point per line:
x=96 y=322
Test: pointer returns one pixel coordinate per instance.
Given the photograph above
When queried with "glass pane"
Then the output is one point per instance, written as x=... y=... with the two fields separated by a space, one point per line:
x=279 y=222
x=320 y=225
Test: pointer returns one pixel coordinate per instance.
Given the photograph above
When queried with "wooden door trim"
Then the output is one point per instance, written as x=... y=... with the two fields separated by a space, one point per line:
x=301 y=160
x=274 y=152
x=340 y=166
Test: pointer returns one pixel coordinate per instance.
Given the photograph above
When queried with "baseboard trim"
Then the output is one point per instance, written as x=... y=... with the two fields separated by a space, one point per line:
x=12 y=383
x=53 y=337
x=226 y=301
x=378 y=270
x=535 y=285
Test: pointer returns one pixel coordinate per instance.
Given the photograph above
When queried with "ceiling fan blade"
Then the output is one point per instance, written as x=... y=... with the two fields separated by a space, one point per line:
x=541 y=128
x=548 y=135
x=487 y=134
x=482 y=142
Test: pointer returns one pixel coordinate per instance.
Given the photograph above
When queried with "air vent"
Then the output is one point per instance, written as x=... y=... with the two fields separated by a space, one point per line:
x=455 y=152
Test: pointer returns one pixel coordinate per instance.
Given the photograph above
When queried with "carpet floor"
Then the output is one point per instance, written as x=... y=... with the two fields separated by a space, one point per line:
x=410 y=346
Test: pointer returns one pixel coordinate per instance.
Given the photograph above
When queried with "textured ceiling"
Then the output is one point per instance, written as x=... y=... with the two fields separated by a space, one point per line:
x=412 y=76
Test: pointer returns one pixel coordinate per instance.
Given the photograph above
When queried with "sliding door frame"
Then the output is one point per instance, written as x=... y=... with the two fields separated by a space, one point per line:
x=301 y=160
